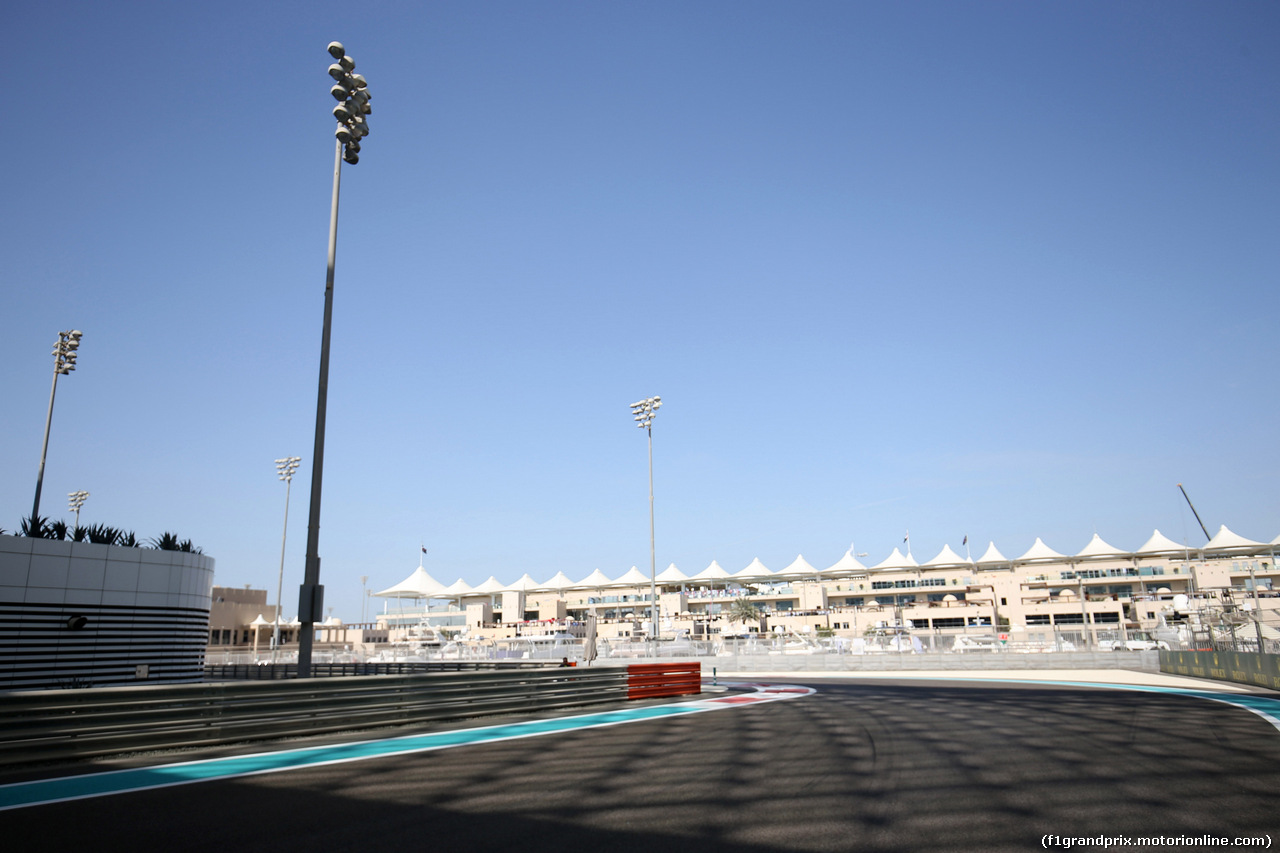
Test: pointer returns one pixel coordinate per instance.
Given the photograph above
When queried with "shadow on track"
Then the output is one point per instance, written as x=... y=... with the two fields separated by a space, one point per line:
x=870 y=767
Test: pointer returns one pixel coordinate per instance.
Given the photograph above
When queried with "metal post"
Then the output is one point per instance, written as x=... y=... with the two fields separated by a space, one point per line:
x=44 y=449
x=653 y=560
x=64 y=361
x=1084 y=612
x=1257 y=614
x=644 y=412
x=275 y=633
x=311 y=594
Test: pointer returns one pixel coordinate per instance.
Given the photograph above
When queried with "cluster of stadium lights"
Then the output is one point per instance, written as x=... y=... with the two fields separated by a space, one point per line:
x=64 y=351
x=352 y=94
x=645 y=410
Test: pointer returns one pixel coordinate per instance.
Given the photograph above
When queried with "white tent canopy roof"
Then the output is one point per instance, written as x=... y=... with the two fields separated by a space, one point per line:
x=594 y=580
x=417 y=585
x=992 y=555
x=1040 y=551
x=947 y=557
x=895 y=561
x=1226 y=540
x=754 y=569
x=1099 y=548
x=799 y=568
x=846 y=565
x=489 y=587
x=558 y=582
x=1161 y=544
x=457 y=588
x=633 y=577
x=712 y=572
x=259 y=622
x=524 y=584
x=671 y=575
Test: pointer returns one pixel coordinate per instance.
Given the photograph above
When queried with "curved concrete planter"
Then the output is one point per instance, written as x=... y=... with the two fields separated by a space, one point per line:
x=76 y=614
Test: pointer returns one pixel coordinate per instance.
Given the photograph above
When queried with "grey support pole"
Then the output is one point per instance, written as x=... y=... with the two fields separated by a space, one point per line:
x=311 y=594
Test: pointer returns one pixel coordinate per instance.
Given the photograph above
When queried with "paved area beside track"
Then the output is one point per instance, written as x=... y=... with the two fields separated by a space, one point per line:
x=867 y=763
x=1090 y=676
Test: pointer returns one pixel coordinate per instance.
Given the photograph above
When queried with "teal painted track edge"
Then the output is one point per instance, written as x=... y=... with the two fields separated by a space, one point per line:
x=61 y=789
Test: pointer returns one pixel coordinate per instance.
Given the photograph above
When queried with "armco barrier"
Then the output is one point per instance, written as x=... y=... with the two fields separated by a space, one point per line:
x=652 y=680
x=1241 y=667
x=41 y=725
x=285 y=671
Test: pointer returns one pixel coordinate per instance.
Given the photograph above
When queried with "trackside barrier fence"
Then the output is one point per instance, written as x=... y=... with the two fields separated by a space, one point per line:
x=650 y=680
x=274 y=671
x=1241 y=667
x=49 y=725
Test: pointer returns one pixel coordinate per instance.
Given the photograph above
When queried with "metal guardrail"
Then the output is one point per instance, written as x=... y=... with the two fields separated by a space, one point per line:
x=42 y=725
x=284 y=671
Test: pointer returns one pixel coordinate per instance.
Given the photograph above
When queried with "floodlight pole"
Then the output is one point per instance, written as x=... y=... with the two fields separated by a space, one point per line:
x=351 y=92
x=75 y=500
x=653 y=559
x=645 y=411
x=285 y=468
x=64 y=361
x=311 y=595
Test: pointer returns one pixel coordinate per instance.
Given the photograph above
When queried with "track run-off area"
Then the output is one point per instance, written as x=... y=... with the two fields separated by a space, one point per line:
x=877 y=764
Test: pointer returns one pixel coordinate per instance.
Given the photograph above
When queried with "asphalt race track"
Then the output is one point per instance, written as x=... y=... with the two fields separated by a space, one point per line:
x=867 y=766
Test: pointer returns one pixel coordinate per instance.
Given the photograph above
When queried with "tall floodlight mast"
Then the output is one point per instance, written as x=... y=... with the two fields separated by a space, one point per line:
x=285 y=469
x=645 y=411
x=352 y=94
x=64 y=361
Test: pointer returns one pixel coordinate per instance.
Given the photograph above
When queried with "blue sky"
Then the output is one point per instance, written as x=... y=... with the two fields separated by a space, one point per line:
x=996 y=270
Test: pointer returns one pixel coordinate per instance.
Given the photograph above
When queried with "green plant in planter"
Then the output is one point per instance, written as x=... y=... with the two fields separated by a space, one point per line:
x=35 y=528
x=165 y=542
x=42 y=528
x=102 y=535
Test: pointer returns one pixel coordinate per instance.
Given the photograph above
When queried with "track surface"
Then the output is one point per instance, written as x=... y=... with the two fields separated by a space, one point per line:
x=872 y=766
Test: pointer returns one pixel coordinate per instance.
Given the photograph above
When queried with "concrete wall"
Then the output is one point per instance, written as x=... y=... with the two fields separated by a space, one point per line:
x=77 y=614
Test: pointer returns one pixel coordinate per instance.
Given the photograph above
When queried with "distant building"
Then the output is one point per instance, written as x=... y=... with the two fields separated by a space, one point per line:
x=233 y=611
x=1041 y=599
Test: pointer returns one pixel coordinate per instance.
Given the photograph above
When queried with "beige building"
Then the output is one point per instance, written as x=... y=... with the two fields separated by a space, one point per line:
x=1041 y=599
x=236 y=614
x=1099 y=594
x=232 y=613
